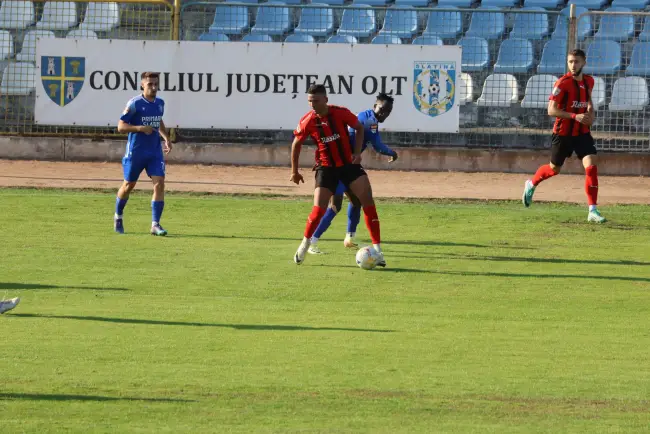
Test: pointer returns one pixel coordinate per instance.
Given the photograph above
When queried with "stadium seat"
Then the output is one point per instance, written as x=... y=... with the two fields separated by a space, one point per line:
x=629 y=93
x=562 y=24
x=230 y=20
x=28 y=51
x=101 y=17
x=18 y=79
x=386 y=39
x=292 y=2
x=414 y=3
x=333 y=2
x=553 y=59
x=16 y=14
x=371 y=2
x=272 y=20
x=598 y=93
x=427 y=40
x=604 y=57
x=358 y=21
x=257 y=37
x=645 y=33
x=546 y=4
x=300 y=38
x=81 y=34
x=640 y=60
x=316 y=21
x=488 y=23
x=635 y=5
x=213 y=37
x=6 y=45
x=342 y=39
x=444 y=24
x=499 y=3
x=475 y=54
x=532 y=26
x=465 y=88
x=589 y=4
x=455 y=3
x=499 y=90
x=618 y=28
x=515 y=56
x=58 y=16
x=401 y=23
x=538 y=89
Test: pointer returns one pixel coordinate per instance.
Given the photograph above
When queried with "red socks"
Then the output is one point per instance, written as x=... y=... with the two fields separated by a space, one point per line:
x=313 y=220
x=591 y=184
x=372 y=223
x=544 y=172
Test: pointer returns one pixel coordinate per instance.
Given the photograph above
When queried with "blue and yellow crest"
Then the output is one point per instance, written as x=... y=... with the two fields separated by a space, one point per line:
x=434 y=87
x=62 y=77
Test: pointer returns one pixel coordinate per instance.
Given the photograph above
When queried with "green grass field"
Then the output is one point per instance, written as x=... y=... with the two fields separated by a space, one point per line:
x=489 y=318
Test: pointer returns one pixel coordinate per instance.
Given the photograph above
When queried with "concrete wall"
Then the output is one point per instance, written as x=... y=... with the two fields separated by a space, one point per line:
x=424 y=159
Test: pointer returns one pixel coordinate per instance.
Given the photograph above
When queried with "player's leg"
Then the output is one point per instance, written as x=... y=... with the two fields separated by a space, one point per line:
x=132 y=170
x=354 y=215
x=7 y=305
x=560 y=151
x=359 y=185
x=336 y=203
x=326 y=181
x=586 y=151
x=156 y=171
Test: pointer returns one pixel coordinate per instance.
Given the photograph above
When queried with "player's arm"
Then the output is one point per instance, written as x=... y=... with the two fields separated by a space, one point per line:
x=167 y=143
x=379 y=146
x=352 y=121
x=124 y=126
x=554 y=111
x=299 y=136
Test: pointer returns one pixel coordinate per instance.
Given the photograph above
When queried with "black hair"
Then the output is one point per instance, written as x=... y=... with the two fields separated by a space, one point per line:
x=385 y=97
x=317 y=89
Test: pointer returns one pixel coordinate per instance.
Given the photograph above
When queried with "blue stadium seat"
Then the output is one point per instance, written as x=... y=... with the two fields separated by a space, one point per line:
x=618 y=28
x=562 y=24
x=456 y=3
x=316 y=21
x=243 y=1
x=414 y=3
x=300 y=38
x=533 y=26
x=499 y=3
x=603 y=57
x=589 y=4
x=370 y=2
x=257 y=37
x=272 y=20
x=332 y=2
x=640 y=60
x=446 y=25
x=553 y=59
x=546 y=4
x=230 y=20
x=213 y=37
x=342 y=39
x=427 y=40
x=488 y=23
x=635 y=5
x=515 y=55
x=402 y=23
x=386 y=39
x=358 y=21
x=475 y=55
x=645 y=33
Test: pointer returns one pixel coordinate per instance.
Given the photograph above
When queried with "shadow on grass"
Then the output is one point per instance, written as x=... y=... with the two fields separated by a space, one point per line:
x=434 y=256
x=261 y=327
x=13 y=285
x=62 y=397
x=542 y=276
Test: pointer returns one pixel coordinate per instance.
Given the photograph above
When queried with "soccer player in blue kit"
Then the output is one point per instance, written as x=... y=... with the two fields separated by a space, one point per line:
x=370 y=120
x=142 y=119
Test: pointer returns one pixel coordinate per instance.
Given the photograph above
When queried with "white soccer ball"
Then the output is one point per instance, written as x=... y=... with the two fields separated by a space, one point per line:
x=367 y=258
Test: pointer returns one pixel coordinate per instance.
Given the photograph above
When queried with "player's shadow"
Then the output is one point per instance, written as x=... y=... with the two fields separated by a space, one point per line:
x=65 y=397
x=541 y=276
x=260 y=327
x=388 y=269
x=545 y=260
x=19 y=286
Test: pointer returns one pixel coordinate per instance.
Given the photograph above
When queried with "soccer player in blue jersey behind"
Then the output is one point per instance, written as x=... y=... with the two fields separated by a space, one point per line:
x=142 y=119
x=370 y=120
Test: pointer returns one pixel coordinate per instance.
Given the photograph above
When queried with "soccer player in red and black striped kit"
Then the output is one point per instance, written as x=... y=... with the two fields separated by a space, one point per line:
x=570 y=103
x=336 y=161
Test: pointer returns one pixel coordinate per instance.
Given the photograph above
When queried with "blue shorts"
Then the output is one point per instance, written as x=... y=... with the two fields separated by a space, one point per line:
x=340 y=189
x=134 y=165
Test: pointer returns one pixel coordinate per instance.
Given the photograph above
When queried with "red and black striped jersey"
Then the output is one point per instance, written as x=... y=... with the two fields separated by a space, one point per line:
x=571 y=96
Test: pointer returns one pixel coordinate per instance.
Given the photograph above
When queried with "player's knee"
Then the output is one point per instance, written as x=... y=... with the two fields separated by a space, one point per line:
x=128 y=186
x=554 y=168
x=159 y=184
x=337 y=203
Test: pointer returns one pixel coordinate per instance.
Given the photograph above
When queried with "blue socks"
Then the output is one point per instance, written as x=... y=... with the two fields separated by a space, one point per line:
x=354 y=215
x=325 y=223
x=119 y=206
x=157 y=210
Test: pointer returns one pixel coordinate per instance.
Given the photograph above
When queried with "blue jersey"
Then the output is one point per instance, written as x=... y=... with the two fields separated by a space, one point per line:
x=371 y=134
x=140 y=111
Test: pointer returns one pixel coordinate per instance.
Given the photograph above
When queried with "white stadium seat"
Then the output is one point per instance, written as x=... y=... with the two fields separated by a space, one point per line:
x=16 y=14
x=58 y=16
x=538 y=89
x=81 y=34
x=598 y=94
x=6 y=45
x=18 y=79
x=629 y=93
x=101 y=17
x=499 y=90
x=28 y=52
x=465 y=88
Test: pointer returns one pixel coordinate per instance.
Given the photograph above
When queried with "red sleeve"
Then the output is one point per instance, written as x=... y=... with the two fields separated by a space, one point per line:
x=558 y=92
x=302 y=130
x=349 y=118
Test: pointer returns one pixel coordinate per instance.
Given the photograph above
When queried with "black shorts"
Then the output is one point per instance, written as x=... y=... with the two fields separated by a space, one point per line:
x=329 y=177
x=562 y=147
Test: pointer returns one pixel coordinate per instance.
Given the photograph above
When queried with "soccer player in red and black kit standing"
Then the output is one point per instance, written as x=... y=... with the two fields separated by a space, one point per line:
x=336 y=161
x=570 y=103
